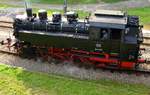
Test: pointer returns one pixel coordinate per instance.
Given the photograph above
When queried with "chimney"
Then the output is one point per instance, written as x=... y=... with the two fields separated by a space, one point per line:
x=29 y=12
x=65 y=6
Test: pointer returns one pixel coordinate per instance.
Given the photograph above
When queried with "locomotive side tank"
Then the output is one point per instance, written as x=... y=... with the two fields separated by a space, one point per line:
x=112 y=33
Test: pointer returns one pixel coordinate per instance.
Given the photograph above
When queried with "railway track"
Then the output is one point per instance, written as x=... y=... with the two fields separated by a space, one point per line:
x=146 y=41
x=6 y=24
x=143 y=69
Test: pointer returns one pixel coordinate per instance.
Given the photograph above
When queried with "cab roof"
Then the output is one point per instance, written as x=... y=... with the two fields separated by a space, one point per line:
x=109 y=18
x=109 y=13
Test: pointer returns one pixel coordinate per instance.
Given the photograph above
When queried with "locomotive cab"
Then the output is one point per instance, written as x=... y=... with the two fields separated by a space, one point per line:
x=115 y=32
x=109 y=26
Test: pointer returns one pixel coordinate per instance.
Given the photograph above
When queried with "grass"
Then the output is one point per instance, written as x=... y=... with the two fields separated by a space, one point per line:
x=7 y=6
x=75 y=1
x=143 y=13
x=70 y=1
x=112 y=1
x=16 y=81
x=82 y=14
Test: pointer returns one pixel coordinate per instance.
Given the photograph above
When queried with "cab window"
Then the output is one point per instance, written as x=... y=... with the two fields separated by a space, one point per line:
x=104 y=34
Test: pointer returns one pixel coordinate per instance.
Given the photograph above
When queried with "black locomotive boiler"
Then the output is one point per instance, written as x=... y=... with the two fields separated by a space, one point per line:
x=107 y=39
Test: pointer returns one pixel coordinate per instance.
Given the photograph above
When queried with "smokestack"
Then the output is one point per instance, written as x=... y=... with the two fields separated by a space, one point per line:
x=65 y=6
x=29 y=12
x=26 y=6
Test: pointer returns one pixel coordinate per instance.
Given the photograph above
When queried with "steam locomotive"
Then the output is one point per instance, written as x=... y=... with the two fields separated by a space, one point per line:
x=106 y=39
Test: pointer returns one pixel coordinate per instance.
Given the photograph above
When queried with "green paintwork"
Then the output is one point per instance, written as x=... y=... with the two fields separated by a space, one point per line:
x=60 y=42
x=108 y=46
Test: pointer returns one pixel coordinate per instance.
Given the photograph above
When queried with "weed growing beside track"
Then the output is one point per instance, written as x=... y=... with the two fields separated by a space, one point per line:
x=20 y=82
